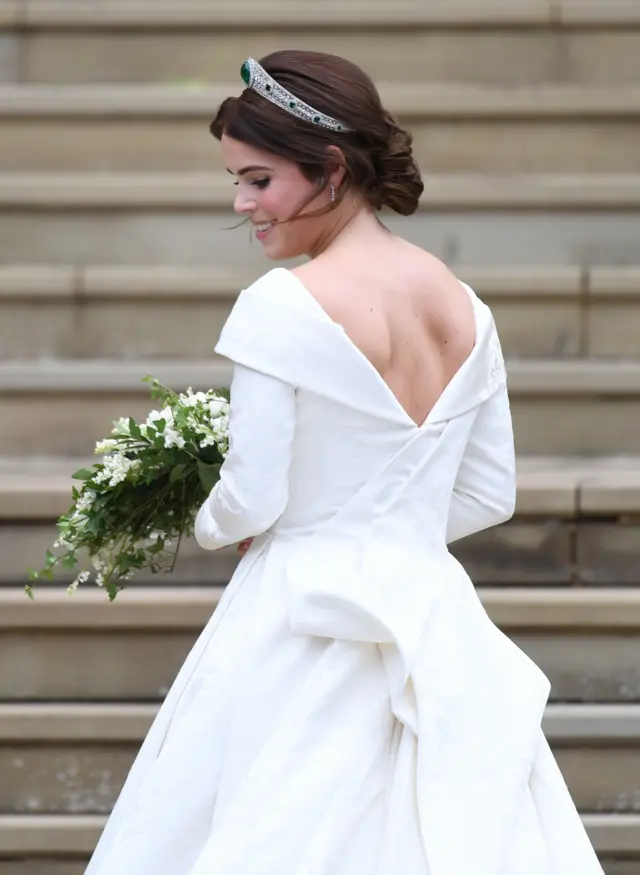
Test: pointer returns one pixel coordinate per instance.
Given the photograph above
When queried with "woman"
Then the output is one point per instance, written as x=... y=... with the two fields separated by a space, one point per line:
x=349 y=709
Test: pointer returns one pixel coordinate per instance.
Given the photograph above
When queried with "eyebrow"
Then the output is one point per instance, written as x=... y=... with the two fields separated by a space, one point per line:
x=249 y=169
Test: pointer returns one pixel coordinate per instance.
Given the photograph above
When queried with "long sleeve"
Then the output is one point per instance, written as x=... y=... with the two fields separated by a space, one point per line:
x=485 y=489
x=254 y=480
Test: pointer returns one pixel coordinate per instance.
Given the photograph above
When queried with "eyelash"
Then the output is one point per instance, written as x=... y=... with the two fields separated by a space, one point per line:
x=258 y=183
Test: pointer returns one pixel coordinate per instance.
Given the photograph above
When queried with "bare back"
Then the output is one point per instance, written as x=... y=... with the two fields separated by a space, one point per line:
x=405 y=311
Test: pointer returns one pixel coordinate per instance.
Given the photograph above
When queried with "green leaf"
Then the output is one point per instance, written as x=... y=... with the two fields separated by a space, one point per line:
x=209 y=475
x=134 y=429
x=82 y=474
x=177 y=473
x=29 y=592
x=33 y=574
x=51 y=559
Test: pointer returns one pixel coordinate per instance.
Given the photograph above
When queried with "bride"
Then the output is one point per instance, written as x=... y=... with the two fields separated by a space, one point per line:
x=349 y=709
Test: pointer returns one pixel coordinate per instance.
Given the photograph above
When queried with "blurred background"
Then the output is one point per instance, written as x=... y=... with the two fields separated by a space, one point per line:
x=115 y=262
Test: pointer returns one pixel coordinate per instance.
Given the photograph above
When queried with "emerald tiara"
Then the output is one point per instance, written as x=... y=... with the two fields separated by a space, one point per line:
x=256 y=78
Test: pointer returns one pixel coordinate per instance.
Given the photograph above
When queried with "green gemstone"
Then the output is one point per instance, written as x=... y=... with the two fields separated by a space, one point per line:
x=316 y=119
x=268 y=87
x=245 y=72
x=292 y=104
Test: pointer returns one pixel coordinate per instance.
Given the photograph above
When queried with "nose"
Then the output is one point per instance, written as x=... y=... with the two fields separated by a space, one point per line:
x=243 y=204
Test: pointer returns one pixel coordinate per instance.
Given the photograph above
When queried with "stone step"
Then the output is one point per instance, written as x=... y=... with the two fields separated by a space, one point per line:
x=83 y=648
x=131 y=312
x=52 y=844
x=559 y=407
x=73 y=758
x=474 y=40
x=187 y=219
x=456 y=128
x=576 y=523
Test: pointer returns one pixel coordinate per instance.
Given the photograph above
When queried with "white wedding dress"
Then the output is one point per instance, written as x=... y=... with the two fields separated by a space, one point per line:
x=349 y=709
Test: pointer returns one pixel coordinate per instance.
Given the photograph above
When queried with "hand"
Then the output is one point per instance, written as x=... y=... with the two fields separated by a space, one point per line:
x=243 y=546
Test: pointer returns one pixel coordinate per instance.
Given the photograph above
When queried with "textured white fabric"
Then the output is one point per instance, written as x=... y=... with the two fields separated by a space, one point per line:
x=349 y=709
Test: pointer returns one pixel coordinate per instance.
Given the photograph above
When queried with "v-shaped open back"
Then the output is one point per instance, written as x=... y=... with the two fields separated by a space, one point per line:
x=371 y=368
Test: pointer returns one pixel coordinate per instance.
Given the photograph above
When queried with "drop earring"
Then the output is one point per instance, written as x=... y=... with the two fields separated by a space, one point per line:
x=333 y=195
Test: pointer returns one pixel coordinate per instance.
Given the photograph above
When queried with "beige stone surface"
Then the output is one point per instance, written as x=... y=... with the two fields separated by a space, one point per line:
x=608 y=554
x=600 y=55
x=614 y=492
x=63 y=779
x=613 y=311
x=9 y=55
x=614 y=327
x=37 y=329
x=586 y=667
x=535 y=328
x=602 y=779
x=565 y=425
x=70 y=866
x=476 y=55
x=280 y=12
x=615 y=833
x=522 y=553
x=604 y=12
x=82 y=723
x=48 y=834
x=107 y=666
x=562 y=608
x=10 y=13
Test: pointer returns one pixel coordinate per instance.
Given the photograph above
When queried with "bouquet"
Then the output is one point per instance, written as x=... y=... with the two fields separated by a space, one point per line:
x=145 y=493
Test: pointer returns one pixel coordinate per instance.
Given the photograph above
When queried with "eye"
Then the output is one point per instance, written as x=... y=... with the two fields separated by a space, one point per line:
x=261 y=183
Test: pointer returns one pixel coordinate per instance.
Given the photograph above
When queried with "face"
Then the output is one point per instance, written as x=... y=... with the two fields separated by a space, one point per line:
x=271 y=188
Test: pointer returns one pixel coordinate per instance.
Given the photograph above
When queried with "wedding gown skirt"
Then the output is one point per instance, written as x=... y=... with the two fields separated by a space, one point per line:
x=279 y=751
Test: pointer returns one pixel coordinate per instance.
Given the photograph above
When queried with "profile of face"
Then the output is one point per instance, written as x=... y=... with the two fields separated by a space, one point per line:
x=272 y=189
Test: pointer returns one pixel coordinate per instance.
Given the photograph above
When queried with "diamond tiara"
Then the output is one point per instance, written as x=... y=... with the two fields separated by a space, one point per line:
x=256 y=78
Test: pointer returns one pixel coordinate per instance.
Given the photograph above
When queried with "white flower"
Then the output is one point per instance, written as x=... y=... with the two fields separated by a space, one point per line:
x=216 y=407
x=86 y=499
x=121 y=426
x=166 y=413
x=173 y=438
x=100 y=580
x=116 y=468
x=192 y=399
x=63 y=543
x=105 y=446
x=81 y=578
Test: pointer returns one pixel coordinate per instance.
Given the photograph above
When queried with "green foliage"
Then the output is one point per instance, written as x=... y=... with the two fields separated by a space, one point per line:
x=144 y=495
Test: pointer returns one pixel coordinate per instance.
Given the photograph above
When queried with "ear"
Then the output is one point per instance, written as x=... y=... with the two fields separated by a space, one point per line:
x=336 y=165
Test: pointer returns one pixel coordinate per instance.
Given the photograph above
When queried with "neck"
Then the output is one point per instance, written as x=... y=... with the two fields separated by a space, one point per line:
x=351 y=222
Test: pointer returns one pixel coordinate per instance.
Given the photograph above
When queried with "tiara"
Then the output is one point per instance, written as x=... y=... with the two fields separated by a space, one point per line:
x=256 y=78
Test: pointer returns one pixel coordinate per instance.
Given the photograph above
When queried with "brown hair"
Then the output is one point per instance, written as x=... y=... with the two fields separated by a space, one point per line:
x=379 y=163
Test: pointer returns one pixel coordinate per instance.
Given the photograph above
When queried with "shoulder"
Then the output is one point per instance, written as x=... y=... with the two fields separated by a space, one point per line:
x=282 y=287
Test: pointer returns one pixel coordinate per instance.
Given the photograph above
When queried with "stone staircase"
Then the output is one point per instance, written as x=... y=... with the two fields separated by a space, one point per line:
x=115 y=262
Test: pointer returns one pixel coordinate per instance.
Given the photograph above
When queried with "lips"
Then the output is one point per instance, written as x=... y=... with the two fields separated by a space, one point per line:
x=262 y=227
